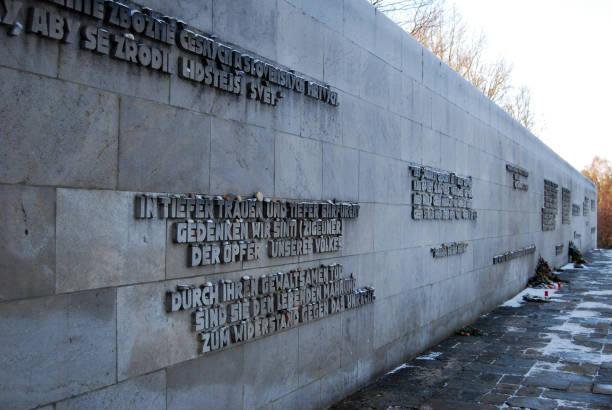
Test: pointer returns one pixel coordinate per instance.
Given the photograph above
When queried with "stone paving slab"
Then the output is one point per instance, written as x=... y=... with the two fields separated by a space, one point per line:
x=555 y=355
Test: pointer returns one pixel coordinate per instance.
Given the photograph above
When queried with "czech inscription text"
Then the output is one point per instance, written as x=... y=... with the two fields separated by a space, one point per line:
x=145 y=38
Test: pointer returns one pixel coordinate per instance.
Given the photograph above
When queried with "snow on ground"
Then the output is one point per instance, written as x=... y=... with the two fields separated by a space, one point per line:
x=593 y=305
x=516 y=329
x=583 y=314
x=429 y=356
x=573 y=328
x=518 y=299
x=400 y=367
x=565 y=348
x=567 y=266
x=598 y=292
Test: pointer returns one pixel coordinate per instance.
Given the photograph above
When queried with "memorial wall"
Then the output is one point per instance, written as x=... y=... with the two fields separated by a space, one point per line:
x=249 y=203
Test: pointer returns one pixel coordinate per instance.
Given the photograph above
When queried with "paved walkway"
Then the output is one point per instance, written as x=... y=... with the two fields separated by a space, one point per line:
x=539 y=356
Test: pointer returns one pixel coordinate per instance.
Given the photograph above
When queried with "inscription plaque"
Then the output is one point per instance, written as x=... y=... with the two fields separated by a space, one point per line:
x=575 y=210
x=508 y=256
x=559 y=249
x=585 y=206
x=549 y=212
x=444 y=250
x=225 y=230
x=440 y=195
x=142 y=37
x=232 y=312
x=518 y=172
x=566 y=199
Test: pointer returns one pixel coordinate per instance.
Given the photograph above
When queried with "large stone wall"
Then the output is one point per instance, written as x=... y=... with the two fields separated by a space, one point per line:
x=82 y=315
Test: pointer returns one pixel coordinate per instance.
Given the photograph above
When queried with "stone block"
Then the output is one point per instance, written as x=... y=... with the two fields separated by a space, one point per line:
x=372 y=366
x=288 y=114
x=412 y=141
x=99 y=242
x=387 y=313
x=212 y=381
x=319 y=348
x=357 y=336
x=146 y=392
x=457 y=122
x=401 y=94
x=307 y=397
x=57 y=133
x=371 y=128
x=440 y=114
x=398 y=271
x=298 y=167
x=205 y=99
x=337 y=71
x=196 y=14
x=335 y=385
x=77 y=65
x=375 y=80
x=268 y=376
x=251 y=24
x=474 y=162
x=29 y=52
x=328 y=12
x=412 y=58
x=360 y=24
x=448 y=153
x=149 y=338
x=383 y=180
x=420 y=104
x=340 y=179
x=242 y=159
x=389 y=40
x=299 y=46
x=321 y=121
x=532 y=402
x=431 y=148
x=163 y=149
x=27 y=247
x=387 y=226
x=358 y=238
x=432 y=66
x=56 y=347
x=600 y=388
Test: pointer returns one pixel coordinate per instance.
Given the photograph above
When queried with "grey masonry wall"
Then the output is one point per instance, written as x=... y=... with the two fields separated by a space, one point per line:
x=82 y=320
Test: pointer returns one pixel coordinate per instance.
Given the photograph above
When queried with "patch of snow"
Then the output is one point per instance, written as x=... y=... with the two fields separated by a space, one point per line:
x=567 y=266
x=573 y=328
x=543 y=366
x=430 y=356
x=593 y=305
x=599 y=292
x=518 y=299
x=516 y=329
x=584 y=313
x=570 y=351
x=455 y=345
x=569 y=404
x=398 y=368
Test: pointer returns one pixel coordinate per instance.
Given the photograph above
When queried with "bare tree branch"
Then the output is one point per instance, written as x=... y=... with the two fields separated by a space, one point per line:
x=447 y=35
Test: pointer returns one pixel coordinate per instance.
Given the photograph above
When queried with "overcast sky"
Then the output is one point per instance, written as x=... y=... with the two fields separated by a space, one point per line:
x=562 y=51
